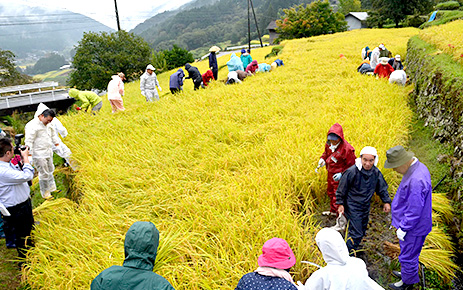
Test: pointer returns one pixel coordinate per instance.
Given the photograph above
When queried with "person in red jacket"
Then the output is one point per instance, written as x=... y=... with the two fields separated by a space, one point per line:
x=383 y=69
x=207 y=77
x=338 y=156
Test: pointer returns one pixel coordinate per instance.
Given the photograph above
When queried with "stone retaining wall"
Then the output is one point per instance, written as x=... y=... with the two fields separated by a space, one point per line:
x=438 y=93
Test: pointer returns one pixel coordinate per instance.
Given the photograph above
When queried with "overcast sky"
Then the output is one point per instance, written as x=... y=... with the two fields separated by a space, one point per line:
x=131 y=12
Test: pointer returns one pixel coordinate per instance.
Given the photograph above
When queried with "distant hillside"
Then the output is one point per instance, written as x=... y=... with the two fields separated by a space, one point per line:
x=32 y=31
x=203 y=23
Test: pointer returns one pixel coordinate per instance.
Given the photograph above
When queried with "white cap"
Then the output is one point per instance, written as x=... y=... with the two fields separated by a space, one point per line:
x=150 y=67
x=397 y=57
x=370 y=150
x=382 y=46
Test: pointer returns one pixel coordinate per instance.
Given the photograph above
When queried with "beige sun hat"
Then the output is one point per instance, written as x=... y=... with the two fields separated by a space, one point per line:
x=214 y=49
x=397 y=156
x=384 y=60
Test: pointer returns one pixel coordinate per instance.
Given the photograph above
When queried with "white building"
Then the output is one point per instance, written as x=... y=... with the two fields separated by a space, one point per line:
x=356 y=20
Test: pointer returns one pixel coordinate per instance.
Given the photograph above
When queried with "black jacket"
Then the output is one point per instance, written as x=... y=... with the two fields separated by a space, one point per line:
x=193 y=73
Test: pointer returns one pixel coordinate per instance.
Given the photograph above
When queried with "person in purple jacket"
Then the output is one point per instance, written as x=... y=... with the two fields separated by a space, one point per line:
x=411 y=212
x=176 y=81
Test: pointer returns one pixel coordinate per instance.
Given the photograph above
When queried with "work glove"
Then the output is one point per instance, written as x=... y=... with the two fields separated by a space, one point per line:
x=401 y=234
x=337 y=176
x=321 y=163
x=143 y=93
x=300 y=286
x=160 y=89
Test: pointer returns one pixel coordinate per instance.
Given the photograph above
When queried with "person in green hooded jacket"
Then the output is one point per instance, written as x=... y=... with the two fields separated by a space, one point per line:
x=136 y=273
x=88 y=99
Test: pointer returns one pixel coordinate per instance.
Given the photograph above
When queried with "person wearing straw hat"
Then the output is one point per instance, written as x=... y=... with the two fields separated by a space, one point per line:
x=354 y=194
x=341 y=271
x=213 y=61
x=411 y=212
x=383 y=69
x=148 y=84
x=140 y=248
x=273 y=271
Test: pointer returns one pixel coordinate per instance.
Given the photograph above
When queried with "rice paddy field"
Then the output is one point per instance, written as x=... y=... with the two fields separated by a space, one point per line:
x=448 y=38
x=219 y=171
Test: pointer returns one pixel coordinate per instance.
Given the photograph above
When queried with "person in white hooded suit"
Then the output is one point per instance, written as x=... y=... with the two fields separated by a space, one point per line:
x=41 y=138
x=342 y=271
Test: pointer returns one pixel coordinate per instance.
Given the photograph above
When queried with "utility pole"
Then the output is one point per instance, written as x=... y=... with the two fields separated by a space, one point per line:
x=255 y=20
x=249 y=28
x=117 y=17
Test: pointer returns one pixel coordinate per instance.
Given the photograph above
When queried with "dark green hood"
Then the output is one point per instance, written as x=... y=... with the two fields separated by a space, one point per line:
x=141 y=246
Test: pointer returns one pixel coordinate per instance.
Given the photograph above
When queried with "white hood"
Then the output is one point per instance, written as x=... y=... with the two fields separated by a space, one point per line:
x=332 y=246
x=42 y=107
x=38 y=137
x=341 y=271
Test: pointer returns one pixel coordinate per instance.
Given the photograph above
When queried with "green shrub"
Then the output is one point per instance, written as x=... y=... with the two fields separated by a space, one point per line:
x=414 y=20
x=449 y=5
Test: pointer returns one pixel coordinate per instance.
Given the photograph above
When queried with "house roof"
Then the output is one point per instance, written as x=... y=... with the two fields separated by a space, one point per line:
x=359 y=15
x=272 y=25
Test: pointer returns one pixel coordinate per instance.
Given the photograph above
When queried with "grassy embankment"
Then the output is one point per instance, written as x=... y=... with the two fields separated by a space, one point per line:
x=219 y=171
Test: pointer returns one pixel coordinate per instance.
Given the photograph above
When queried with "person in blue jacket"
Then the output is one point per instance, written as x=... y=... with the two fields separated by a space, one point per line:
x=136 y=273
x=234 y=64
x=246 y=57
x=213 y=61
x=176 y=81
x=411 y=212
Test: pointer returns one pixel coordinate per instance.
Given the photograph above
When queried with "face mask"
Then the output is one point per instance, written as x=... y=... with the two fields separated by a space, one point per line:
x=333 y=147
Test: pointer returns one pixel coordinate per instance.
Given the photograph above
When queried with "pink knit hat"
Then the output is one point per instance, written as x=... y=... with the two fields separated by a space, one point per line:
x=276 y=253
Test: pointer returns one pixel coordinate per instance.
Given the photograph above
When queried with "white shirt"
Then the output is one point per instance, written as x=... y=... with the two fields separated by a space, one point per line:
x=148 y=81
x=374 y=57
x=13 y=183
x=398 y=76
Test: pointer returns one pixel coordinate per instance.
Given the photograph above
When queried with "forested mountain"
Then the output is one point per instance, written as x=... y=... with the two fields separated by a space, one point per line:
x=208 y=22
x=34 y=31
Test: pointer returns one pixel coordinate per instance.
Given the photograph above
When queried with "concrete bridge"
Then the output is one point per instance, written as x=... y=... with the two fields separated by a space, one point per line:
x=25 y=98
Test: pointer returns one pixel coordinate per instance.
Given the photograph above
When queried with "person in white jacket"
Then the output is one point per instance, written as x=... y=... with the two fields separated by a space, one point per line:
x=116 y=91
x=148 y=84
x=342 y=271
x=62 y=150
x=374 y=61
x=40 y=137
